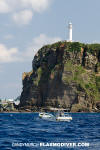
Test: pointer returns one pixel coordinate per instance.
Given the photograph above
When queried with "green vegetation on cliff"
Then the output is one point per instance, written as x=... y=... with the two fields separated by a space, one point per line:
x=85 y=80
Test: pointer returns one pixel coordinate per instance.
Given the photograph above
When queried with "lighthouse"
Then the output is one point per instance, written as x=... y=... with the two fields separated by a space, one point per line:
x=70 y=31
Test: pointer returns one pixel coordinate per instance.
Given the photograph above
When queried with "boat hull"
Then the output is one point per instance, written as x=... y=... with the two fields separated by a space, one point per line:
x=64 y=118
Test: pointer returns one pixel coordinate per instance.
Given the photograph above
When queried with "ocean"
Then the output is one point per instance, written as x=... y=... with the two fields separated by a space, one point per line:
x=26 y=131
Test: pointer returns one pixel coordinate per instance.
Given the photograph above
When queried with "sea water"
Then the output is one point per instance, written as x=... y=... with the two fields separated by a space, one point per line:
x=27 y=131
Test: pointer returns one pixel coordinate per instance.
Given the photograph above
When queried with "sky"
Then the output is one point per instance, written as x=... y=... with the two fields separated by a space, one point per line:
x=27 y=25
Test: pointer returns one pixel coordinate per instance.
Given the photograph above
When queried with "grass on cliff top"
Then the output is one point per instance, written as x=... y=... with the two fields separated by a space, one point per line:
x=75 y=46
x=84 y=80
x=70 y=46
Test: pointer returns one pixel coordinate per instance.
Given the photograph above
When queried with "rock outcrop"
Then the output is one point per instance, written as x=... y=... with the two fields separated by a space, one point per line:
x=65 y=75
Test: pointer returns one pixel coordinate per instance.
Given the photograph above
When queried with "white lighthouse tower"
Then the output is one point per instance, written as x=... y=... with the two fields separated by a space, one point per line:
x=70 y=31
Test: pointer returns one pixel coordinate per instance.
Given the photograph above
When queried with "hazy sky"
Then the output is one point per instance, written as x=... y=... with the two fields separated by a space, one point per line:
x=26 y=25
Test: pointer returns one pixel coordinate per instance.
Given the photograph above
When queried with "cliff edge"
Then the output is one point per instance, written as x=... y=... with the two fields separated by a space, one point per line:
x=65 y=75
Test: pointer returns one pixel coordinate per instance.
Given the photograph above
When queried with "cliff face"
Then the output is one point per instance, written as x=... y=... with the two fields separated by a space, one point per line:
x=64 y=75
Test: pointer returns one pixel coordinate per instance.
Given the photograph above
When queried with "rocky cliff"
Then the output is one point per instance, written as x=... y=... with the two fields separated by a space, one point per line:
x=65 y=75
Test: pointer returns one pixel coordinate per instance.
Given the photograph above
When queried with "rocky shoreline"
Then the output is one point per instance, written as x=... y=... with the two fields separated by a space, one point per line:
x=41 y=110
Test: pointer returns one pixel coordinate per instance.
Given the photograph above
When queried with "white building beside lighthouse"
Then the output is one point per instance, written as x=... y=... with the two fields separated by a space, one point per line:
x=70 y=32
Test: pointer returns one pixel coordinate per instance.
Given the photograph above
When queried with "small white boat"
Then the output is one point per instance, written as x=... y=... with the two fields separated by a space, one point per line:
x=45 y=115
x=63 y=117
